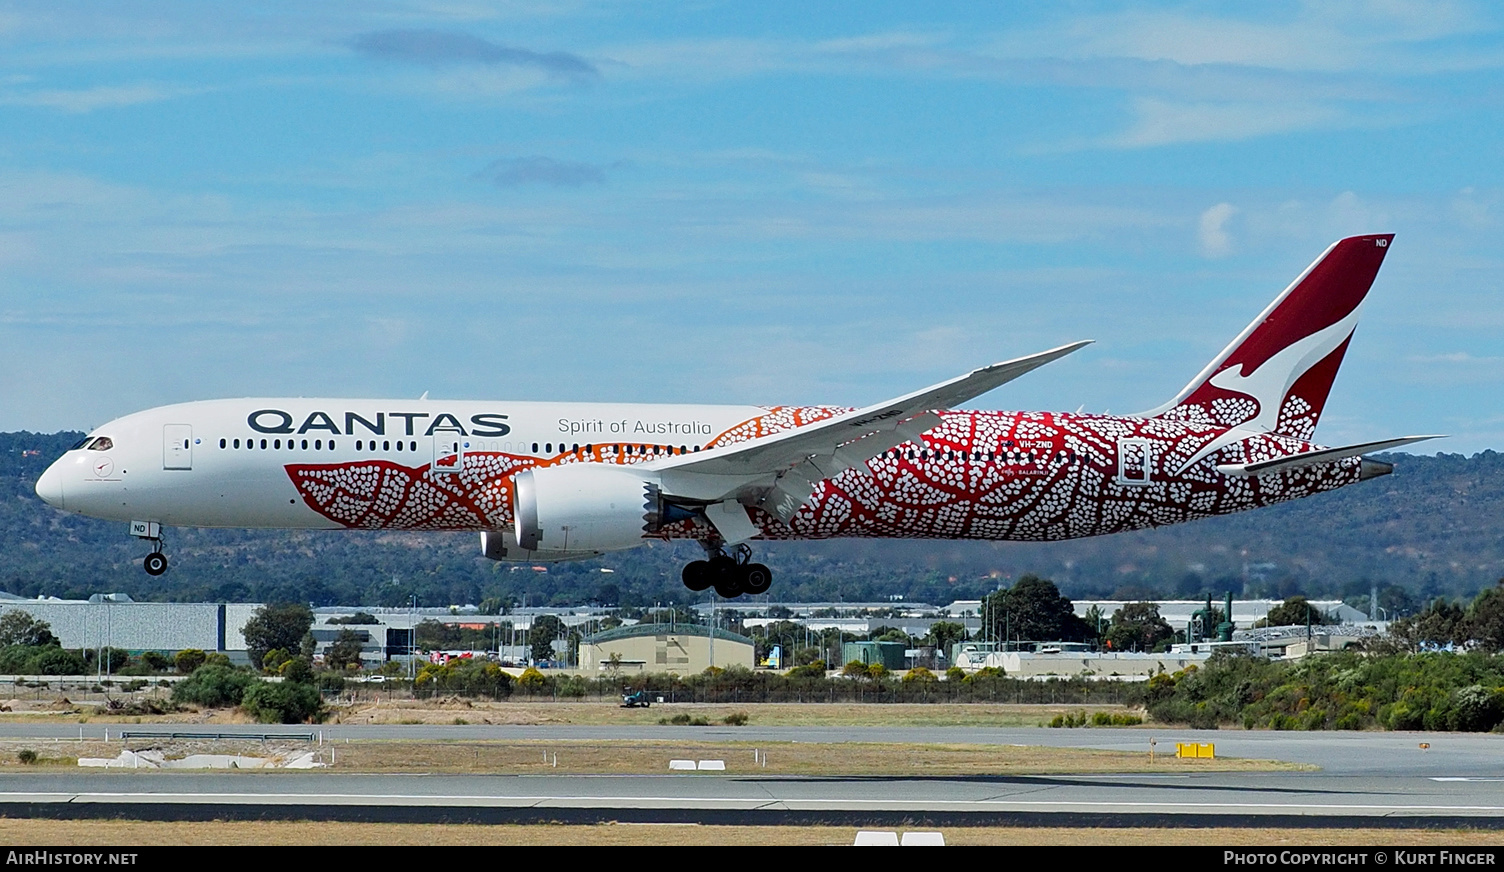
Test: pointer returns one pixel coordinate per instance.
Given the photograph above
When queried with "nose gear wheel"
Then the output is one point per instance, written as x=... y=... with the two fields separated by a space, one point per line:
x=155 y=563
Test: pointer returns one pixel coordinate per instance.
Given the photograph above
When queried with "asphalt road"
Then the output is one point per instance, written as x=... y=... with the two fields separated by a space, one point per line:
x=1367 y=779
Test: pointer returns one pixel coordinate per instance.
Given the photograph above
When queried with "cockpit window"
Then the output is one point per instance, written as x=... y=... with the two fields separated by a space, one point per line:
x=103 y=443
x=81 y=443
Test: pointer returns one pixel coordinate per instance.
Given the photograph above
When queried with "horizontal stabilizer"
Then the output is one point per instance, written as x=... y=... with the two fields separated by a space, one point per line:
x=1322 y=455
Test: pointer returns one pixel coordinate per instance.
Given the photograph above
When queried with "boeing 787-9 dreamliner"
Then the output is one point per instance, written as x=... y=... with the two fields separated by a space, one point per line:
x=559 y=481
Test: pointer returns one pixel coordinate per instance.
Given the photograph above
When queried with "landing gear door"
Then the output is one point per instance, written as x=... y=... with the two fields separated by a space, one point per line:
x=177 y=446
x=448 y=452
x=1135 y=461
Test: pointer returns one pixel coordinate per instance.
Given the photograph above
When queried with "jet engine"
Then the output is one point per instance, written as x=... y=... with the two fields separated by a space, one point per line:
x=502 y=545
x=584 y=507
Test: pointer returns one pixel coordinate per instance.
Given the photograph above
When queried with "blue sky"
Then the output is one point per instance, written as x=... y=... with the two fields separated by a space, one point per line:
x=760 y=203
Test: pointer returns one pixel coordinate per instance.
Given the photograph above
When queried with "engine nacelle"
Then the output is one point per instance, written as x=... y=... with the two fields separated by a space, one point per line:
x=584 y=507
x=502 y=545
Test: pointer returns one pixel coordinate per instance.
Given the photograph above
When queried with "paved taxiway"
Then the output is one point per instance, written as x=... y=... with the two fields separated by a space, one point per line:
x=1372 y=779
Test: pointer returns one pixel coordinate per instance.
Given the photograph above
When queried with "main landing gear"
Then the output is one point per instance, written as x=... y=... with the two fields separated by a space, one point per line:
x=730 y=574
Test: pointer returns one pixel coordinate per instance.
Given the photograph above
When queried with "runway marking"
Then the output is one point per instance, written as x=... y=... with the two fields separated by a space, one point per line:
x=748 y=804
x=1465 y=778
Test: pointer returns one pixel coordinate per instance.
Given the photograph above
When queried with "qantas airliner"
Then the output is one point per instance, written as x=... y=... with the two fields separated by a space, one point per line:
x=559 y=481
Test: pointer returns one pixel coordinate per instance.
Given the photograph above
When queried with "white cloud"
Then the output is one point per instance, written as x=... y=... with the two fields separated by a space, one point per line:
x=1320 y=37
x=1458 y=358
x=102 y=97
x=1161 y=122
x=1211 y=230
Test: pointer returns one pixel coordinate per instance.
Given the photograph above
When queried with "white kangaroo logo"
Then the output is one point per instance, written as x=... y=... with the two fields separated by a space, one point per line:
x=1270 y=383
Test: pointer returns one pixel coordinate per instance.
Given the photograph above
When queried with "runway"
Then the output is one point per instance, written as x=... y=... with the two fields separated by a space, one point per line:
x=1283 y=799
x=1367 y=779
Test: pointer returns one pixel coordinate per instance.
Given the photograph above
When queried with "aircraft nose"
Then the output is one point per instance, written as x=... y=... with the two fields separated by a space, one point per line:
x=50 y=486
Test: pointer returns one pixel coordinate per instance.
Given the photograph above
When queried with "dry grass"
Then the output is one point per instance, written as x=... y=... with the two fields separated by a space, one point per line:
x=782 y=758
x=117 y=833
x=55 y=708
x=609 y=713
x=537 y=757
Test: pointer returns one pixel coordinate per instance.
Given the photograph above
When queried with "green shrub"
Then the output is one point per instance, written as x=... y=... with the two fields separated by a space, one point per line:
x=26 y=756
x=188 y=660
x=815 y=669
x=213 y=686
x=473 y=678
x=285 y=702
x=156 y=661
x=532 y=681
x=736 y=719
x=296 y=669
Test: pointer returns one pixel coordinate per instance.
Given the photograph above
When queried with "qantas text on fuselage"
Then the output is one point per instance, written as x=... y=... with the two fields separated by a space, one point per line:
x=545 y=481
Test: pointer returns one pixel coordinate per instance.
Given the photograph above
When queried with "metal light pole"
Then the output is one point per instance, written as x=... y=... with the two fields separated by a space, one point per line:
x=412 y=639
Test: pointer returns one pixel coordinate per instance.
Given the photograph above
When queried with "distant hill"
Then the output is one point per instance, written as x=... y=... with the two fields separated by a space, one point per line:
x=1434 y=527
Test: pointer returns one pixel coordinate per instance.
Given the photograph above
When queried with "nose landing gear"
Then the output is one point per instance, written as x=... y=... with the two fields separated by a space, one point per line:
x=155 y=562
x=730 y=574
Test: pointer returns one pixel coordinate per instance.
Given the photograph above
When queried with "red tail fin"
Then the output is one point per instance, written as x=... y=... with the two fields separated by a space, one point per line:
x=1276 y=375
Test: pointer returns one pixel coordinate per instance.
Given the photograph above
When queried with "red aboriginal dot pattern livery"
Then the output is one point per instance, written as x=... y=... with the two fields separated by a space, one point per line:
x=382 y=495
x=979 y=475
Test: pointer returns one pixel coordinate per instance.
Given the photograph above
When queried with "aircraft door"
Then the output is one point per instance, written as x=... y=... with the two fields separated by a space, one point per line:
x=1135 y=461
x=177 y=446
x=449 y=446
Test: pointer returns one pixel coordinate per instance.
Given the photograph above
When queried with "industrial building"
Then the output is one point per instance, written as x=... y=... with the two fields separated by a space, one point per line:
x=1177 y=613
x=682 y=648
x=115 y=621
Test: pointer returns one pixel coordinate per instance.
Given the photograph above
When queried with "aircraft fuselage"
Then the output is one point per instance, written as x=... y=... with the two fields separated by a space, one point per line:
x=362 y=464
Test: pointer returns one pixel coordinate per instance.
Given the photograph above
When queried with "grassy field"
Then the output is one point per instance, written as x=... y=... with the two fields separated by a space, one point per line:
x=606 y=713
x=652 y=757
x=596 y=713
x=129 y=833
x=783 y=758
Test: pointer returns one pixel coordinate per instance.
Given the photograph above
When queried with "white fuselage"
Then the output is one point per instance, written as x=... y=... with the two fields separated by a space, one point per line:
x=223 y=463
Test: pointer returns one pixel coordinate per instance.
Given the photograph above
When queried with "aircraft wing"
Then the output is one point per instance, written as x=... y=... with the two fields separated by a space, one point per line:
x=779 y=471
x=1320 y=455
